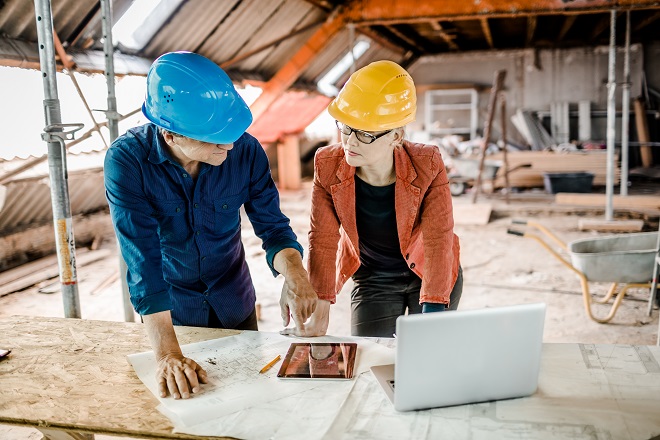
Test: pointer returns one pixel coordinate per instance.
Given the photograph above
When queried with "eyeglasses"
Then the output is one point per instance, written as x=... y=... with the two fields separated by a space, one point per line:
x=362 y=136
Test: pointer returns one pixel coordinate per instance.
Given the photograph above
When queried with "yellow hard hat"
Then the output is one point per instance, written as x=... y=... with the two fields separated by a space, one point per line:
x=380 y=96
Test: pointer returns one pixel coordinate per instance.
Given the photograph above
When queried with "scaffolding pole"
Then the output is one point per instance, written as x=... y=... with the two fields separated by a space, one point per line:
x=113 y=125
x=611 y=118
x=54 y=135
x=625 y=112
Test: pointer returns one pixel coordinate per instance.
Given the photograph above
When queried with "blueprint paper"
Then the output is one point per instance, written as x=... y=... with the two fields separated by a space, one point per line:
x=233 y=364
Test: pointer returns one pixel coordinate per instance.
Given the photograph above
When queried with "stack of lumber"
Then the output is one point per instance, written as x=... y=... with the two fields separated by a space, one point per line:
x=550 y=162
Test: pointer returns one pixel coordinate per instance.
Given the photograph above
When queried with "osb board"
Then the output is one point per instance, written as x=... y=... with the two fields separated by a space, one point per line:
x=73 y=374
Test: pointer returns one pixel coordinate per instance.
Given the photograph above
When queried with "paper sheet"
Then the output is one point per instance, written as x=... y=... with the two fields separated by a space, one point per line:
x=233 y=365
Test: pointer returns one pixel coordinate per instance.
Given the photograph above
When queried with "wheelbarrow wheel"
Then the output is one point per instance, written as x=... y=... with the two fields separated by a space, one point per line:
x=456 y=188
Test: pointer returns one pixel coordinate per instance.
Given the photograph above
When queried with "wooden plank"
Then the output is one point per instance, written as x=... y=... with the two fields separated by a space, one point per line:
x=40 y=241
x=631 y=202
x=72 y=374
x=51 y=271
x=550 y=162
x=611 y=226
x=643 y=133
x=472 y=214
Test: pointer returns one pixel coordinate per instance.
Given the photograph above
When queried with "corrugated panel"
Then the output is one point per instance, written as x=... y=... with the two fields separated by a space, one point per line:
x=224 y=30
x=189 y=27
x=28 y=201
x=291 y=16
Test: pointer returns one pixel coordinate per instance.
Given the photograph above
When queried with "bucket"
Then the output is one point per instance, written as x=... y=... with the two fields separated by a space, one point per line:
x=568 y=182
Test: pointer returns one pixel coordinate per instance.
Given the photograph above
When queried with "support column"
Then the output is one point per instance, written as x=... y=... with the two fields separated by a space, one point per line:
x=288 y=162
x=611 y=117
x=54 y=135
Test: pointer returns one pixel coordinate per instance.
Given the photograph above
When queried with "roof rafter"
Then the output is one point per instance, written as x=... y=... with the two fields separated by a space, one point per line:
x=485 y=28
x=292 y=70
x=568 y=23
x=442 y=33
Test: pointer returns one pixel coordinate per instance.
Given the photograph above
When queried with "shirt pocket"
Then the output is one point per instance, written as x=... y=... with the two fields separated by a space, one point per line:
x=170 y=217
x=227 y=213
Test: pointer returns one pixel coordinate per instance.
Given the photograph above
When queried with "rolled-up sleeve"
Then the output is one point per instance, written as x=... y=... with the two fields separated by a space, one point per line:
x=263 y=209
x=136 y=232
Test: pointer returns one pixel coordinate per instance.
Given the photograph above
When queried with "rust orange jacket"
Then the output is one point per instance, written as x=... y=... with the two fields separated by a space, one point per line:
x=424 y=220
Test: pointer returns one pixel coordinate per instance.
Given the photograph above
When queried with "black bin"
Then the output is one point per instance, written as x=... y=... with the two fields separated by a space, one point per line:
x=568 y=182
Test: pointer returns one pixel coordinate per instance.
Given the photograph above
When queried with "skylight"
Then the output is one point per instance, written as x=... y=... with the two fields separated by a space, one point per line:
x=326 y=84
x=141 y=21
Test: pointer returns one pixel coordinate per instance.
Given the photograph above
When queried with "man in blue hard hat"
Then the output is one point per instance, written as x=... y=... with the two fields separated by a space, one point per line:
x=175 y=186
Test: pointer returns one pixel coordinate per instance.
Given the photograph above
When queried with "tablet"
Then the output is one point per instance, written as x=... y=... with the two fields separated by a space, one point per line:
x=319 y=360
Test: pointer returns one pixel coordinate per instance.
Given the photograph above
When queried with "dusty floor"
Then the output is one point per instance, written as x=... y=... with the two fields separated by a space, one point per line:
x=499 y=269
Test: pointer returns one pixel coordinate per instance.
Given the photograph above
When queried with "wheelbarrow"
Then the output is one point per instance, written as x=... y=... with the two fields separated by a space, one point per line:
x=465 y=172
x=624 y=260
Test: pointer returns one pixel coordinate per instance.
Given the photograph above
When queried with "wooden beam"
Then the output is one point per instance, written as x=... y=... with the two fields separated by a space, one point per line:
x=531 y=27
x=568 y=23
x=292 y=70
x=485 y=27
x=368 y=12
x=380 y=39
x=647 y=21
x=402 y=36
x=446 y=37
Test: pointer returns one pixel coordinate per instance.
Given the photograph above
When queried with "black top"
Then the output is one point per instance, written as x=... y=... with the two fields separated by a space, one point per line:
x=376 y=225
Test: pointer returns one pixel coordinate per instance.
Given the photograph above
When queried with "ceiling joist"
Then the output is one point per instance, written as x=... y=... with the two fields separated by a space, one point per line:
x=385 y=12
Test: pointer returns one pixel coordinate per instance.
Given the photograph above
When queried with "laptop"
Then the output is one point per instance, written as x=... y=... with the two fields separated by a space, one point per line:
x=459 y=357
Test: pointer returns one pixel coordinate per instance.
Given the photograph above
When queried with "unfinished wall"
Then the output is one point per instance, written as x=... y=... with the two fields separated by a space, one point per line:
x=535 y=79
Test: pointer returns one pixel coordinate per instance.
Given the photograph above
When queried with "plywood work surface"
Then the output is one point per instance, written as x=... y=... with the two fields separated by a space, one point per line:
x=73 y=374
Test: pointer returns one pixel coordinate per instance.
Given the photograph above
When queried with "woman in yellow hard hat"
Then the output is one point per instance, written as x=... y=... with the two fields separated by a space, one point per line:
x=381 y=211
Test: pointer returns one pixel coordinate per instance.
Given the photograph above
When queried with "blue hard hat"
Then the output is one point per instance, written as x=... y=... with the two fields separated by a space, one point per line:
x=190 y=95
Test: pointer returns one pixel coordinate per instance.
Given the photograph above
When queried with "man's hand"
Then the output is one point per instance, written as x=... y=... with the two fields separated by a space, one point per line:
x=175 y=373
x=318 y=323
x=298 y=298
x=179 y=375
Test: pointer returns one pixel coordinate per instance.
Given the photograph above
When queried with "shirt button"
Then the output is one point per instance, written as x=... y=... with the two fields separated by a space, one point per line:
x=185 y=175
x=206 y=302
x=178 y=209
x=197 y=232
x=196 y=205
x=407 y=255
x=203 y=258
x=412 y=265
x=206 y=293
x=224 y=206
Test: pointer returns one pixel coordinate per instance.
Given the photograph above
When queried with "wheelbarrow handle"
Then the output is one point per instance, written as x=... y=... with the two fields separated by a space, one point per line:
x=514 y=232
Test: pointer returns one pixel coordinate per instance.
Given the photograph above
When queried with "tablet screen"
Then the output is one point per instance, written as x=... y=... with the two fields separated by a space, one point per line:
x=319 y=360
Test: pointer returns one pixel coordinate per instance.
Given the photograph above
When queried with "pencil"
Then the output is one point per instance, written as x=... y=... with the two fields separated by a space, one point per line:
x=270 y=364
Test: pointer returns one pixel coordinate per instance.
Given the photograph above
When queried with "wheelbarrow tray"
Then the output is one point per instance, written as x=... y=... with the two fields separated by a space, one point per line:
x=626 y=258
x=468 y=169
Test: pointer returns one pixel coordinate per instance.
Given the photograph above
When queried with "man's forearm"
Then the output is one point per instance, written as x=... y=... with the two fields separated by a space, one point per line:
x=161 y=334
x=287 y=261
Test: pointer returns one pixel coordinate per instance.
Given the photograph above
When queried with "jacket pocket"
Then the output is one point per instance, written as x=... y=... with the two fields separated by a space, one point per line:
x=227 y=213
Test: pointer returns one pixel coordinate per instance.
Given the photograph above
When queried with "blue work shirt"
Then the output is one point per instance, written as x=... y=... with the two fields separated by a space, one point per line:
x=181 y=238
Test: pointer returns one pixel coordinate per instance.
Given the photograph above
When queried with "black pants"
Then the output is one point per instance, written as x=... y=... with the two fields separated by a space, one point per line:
x=250 y=322
x=379 y=298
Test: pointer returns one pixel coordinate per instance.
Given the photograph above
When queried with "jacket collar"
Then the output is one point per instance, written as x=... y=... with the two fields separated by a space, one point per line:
x=343 y=195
